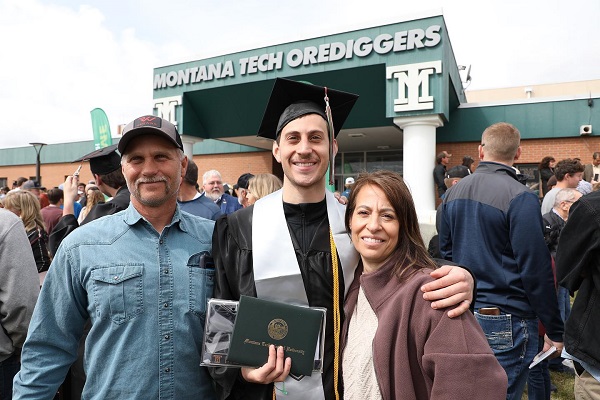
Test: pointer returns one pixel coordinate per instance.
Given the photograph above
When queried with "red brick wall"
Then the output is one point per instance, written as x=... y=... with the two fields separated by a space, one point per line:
x=231 y=166
x=533 y=150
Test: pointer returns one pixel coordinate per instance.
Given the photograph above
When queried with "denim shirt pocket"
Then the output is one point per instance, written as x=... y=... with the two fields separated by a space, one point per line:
x=497 y=329
x=201 y=273
x=118 y=292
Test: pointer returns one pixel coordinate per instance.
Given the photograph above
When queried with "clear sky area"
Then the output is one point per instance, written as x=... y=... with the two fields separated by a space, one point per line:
x=60 y=59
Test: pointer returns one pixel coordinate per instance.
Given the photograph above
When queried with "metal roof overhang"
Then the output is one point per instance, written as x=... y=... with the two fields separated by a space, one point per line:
x=233 y=113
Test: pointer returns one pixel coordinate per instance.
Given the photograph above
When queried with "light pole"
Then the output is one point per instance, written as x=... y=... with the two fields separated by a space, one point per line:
x=38 y=149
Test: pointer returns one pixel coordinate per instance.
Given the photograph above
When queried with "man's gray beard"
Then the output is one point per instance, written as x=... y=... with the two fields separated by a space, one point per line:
x=213 y=196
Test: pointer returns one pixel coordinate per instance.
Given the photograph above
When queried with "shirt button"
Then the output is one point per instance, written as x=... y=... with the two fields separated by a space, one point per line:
x=161 y=241
x=167 y=369
x=116 y=278
x=166 y=270
x=167 y=337
x=166 y=305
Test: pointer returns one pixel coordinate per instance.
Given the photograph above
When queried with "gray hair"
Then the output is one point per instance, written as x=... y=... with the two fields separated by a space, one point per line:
x=208 y=174
x=566 y=194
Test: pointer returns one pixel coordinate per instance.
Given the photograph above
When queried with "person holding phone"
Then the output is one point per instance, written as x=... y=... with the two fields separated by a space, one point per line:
x=591 y=173
x=105 y=165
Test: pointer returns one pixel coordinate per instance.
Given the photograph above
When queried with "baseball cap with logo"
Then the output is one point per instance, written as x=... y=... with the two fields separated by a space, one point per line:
x=31 y=185
x=349 y=181
x=150 y=125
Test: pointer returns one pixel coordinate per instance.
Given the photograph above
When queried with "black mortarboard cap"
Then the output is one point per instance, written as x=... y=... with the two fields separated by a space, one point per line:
x=150 y=125
x=103 y=161
x=292 y=99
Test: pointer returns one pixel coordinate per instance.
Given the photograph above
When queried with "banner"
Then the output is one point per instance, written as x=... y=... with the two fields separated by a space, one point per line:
x=101 y=128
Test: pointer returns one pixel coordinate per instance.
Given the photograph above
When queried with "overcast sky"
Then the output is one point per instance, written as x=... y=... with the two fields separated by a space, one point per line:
x=60 y=59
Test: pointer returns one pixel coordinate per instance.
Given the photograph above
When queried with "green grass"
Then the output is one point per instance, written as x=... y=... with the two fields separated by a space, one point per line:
x=564 y=383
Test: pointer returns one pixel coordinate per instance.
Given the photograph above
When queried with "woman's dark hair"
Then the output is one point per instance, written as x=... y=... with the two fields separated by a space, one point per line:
x=467 y=161
x=410 y=254
x=545 y=163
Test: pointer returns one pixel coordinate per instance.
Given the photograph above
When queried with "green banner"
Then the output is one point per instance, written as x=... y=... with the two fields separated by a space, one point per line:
x=102 y=137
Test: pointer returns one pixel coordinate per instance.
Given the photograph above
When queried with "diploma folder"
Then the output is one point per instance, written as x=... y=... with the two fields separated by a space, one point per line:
x=260 y=323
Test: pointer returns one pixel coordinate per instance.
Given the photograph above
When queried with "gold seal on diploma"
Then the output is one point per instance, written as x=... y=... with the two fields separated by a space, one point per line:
x=278 y=329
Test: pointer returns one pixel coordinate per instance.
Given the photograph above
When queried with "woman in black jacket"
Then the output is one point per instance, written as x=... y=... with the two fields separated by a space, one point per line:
x=546 y=168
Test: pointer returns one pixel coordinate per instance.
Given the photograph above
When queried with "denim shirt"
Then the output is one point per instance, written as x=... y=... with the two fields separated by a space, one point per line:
x=145 y=294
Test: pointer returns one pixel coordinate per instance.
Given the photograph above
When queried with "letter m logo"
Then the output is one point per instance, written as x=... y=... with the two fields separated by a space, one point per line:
x=413 y=85
x=165 y=107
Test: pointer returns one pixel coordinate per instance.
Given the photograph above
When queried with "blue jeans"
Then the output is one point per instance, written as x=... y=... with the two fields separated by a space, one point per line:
x=8 y=370
x=514 y=342
x=564 y=305
x=538 y=382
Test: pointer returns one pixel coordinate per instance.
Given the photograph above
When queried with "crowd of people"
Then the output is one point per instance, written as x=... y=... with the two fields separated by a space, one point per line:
x=136 y=254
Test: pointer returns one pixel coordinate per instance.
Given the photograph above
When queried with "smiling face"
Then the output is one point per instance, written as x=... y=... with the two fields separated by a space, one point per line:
x=153 y=169
x=303 y=151
x=374 y=227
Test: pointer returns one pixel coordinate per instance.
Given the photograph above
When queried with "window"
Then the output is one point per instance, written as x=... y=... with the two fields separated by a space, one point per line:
x=391 y=161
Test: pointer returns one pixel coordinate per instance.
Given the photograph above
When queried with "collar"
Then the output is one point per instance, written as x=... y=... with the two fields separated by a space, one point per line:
x=559 y=216
x=490 y=167
x=132 y=217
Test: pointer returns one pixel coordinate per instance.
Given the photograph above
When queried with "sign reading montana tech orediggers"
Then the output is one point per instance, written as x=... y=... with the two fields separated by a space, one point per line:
x=359 y=47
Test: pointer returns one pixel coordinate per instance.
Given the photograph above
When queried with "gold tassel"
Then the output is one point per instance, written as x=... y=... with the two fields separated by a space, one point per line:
x=336 y=316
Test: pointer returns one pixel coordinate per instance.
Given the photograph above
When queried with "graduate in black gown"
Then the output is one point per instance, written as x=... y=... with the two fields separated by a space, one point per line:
x=105 y=165
x=281 y=248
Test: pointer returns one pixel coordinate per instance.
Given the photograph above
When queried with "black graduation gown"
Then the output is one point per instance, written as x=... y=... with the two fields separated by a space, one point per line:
x=68 y=223
x=232 y=253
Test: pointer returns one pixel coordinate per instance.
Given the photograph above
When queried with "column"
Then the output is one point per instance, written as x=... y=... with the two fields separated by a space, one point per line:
x=188 y=144
x=419 y=159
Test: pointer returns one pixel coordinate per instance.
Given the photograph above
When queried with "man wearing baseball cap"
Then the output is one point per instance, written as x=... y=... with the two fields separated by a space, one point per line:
x=348 y=187
x=241 y=188
x=138 y=276
x=439 y=172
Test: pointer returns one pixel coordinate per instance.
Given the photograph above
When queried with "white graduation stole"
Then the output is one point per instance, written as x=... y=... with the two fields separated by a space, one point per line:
x=277 y=275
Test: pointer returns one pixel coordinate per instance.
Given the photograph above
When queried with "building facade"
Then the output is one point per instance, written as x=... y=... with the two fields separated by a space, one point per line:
x=412 y=105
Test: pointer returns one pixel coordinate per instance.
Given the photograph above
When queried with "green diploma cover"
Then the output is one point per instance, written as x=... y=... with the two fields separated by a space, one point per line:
x=260 y=323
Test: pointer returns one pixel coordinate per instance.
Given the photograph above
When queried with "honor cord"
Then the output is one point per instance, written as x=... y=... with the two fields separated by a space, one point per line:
x=336 y=316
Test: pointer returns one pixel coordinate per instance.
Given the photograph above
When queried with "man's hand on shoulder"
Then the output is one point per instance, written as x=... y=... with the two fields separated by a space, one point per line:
x=453 y=286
